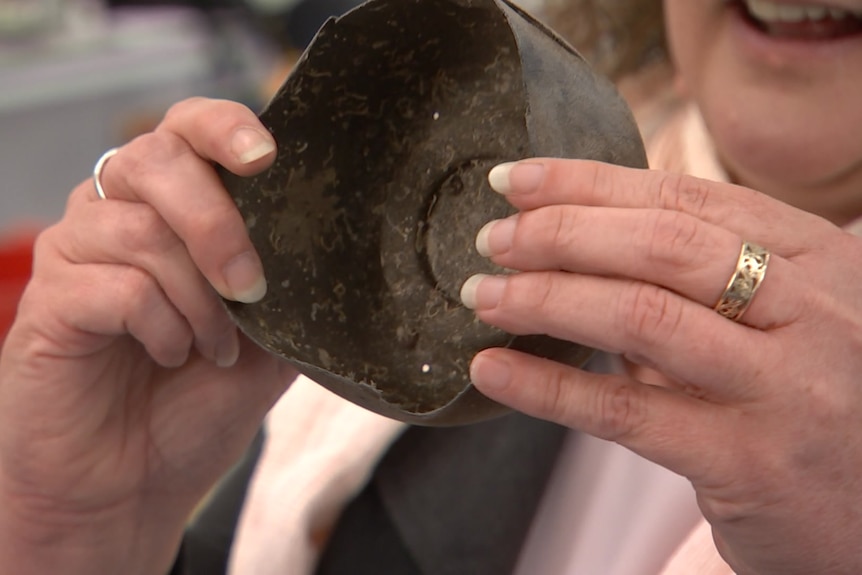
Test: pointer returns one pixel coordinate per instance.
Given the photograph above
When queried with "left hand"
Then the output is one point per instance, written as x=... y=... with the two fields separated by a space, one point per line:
x=125 y=389
x=762 y=415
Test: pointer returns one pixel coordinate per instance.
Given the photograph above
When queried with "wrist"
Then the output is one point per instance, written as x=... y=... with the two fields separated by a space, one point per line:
x=41 y=542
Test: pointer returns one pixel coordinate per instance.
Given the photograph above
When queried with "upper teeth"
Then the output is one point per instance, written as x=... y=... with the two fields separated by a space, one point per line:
x=771 y=12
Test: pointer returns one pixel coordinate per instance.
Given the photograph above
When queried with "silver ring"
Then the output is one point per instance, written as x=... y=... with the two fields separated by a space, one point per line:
x=97 y=171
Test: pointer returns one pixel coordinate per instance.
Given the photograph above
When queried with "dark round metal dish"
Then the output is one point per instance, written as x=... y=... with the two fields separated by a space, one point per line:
x=386 y=131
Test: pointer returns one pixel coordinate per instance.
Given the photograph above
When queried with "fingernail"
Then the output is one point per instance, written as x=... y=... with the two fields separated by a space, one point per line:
x=482 y=291
x=227 y=351
x=250 y=145
x=244 y=277
x=490 y=373
x=496 y=237
x=516 y=177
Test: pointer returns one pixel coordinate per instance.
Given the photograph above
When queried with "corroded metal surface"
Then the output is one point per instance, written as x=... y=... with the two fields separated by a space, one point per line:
x=386 y=131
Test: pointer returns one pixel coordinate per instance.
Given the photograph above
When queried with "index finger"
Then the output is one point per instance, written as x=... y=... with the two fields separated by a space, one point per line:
x=222 y=131
x=172 y=170
x=756 y=217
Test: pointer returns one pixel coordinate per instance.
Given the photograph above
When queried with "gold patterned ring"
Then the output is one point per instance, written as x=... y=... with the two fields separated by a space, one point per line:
x=743 y=284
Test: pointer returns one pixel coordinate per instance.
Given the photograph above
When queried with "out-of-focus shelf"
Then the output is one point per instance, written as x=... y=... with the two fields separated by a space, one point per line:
x=132 y=51
x=70 y=94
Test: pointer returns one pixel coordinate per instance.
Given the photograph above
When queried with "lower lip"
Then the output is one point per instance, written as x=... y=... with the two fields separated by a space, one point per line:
x=785 y=50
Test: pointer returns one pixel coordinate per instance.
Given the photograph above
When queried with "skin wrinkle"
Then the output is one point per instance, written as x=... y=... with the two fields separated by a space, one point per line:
x=683 y=193
x=651 y=316
x=622 y=409
x=565 y=222
x=147 y=232
x=152 y=158
x=557 y=385
x=670 y=238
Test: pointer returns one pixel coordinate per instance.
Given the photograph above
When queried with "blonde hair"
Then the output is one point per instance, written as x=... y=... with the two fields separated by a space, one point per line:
x=618 y=37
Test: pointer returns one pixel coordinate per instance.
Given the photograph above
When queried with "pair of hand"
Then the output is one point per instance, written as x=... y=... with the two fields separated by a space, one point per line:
x=125 y=390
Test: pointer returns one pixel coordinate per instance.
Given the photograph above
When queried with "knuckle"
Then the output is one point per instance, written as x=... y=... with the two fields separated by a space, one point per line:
x=723 y=509
x=527 y=301
x=219 y=220
x=206 y=314
x=516 y=292
x=183 y=108
x=138 y=289
x=534 y=292
x=672 y=237
x=173 y=349
x=562 y=228
x=149 y=154
x=145 y=231
x=683 y=193
x=554 y=401
x=619 y=410
x=47 y=237
x=825 y=407
x=150 y=317
x=82 y=195
x=597 y=177
x=756 y=483
x=44 y=246
x=207 y=119
x=649 y=314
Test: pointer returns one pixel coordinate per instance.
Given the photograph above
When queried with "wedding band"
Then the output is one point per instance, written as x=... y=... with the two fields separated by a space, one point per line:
x=743 y=284
x=97 y=171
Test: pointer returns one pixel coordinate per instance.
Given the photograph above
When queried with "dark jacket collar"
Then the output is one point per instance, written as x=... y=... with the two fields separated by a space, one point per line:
x=462 y=499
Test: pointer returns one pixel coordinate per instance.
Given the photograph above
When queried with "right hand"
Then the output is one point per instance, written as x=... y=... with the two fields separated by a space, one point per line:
x=125 y=389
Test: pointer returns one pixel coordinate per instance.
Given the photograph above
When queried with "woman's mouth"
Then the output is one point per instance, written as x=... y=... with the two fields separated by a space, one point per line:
x=803 y=22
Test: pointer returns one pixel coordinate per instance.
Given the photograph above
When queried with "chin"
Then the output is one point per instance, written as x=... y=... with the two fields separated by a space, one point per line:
x=780 y=86
x=799 y=163
x=794 y=149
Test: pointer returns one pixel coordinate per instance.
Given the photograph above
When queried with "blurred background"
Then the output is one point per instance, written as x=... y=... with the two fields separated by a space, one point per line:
x=80 y=76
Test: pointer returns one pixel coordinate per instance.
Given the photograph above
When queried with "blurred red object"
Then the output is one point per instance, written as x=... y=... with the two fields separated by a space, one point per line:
x=16 y=265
